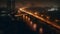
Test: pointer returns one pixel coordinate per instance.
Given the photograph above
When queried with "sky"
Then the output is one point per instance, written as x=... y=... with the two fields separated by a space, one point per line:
x=34 y=3
x=39 y=3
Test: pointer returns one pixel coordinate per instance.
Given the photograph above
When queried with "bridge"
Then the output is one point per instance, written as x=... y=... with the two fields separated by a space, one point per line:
x=41 y=17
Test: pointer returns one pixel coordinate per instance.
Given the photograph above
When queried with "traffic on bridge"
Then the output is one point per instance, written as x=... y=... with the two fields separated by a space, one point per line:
x=40 y=16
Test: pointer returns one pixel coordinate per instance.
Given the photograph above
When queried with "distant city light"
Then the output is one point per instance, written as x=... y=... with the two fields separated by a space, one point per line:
x=3 y=15
x=53 y=9
x=3 y=11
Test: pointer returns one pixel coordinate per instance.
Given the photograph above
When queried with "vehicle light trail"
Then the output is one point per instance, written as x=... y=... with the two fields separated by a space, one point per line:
x=39 y=17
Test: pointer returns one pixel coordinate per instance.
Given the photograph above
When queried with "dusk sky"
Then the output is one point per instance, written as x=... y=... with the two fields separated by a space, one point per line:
x=39 y=3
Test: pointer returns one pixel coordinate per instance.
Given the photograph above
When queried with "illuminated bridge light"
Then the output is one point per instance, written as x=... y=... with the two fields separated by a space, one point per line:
x=34 y=27
x=31 y=22
x=47 y=17
x=19 y=11
x=29 y=19
x=56 y=20
x=42 y=15
x=36 y=13
x=22 y=8
x=26 y=18
x=41 y=30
